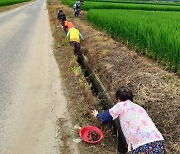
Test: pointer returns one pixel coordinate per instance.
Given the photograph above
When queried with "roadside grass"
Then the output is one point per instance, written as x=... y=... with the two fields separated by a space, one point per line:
x=12 y=6
x=11 y=2
x=77 y=90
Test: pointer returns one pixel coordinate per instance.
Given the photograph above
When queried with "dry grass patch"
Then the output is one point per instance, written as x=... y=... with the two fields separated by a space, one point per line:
x=78 y=90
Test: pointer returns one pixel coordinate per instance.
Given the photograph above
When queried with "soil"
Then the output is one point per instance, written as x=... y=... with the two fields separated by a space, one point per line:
x=94 y=136
x=154 y=88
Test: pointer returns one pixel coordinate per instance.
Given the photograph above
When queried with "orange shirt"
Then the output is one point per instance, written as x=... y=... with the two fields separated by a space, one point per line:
x=68 y=24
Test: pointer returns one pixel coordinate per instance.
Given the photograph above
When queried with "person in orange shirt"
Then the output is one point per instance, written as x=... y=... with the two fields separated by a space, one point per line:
x=68 y=25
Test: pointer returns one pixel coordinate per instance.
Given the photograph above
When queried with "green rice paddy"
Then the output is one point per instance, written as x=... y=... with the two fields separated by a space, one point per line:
x=11 y=2
x=130 y=6
x=151 y=28
x=156 y=34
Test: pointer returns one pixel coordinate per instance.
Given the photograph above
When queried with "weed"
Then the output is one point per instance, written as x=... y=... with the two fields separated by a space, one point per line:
x=168 y=79
x=104 y=52
x=66 y=43
x=77 y=70
x=98 y=38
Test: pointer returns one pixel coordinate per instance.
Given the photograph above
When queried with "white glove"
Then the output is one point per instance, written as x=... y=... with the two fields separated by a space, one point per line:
x=94 y=113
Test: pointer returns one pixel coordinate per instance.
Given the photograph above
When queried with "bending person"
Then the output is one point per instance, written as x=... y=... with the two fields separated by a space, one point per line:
x=139 y=130
x=74 y=37
x=61 y=16
x=76 y=7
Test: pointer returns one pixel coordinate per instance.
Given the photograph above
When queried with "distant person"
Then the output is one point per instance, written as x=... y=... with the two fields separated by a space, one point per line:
x=139 y=130
x=68 y=25
x=61 y=16
x=74 y=37
x=76 y=7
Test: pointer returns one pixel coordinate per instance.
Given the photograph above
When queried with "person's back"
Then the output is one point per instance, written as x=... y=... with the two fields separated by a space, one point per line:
x=77 y=5
x=139 y=130
x=74 y=35
x=61 y=15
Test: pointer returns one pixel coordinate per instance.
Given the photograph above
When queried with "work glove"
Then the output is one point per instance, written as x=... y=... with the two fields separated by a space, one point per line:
x=94 y=113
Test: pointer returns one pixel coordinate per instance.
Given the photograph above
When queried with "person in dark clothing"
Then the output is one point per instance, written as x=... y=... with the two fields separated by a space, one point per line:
x=61 y=16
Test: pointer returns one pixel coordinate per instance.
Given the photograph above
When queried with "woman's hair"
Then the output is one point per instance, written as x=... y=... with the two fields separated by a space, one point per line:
x=124 y=93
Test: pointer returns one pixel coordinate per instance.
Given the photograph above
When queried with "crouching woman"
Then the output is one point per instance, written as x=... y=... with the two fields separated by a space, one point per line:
x=141 y=134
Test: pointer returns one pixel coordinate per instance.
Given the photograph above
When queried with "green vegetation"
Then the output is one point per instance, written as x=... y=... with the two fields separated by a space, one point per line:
x=154 y=33
x=130 y=6
x=11 y=2
x=151 y=27
x=137 y=2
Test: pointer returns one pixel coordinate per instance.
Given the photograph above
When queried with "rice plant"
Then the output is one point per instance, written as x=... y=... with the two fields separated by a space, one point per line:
x=130 y=6
x=11 y=2
x=155 y=33
x=137 y=2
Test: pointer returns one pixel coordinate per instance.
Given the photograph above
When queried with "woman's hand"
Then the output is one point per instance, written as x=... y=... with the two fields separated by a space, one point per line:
x=94 y=112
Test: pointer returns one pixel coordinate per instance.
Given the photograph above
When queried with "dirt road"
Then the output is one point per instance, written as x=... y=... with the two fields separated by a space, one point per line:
x=31 y=98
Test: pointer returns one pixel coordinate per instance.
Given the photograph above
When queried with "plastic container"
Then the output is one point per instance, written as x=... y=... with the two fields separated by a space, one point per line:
x=85 y=134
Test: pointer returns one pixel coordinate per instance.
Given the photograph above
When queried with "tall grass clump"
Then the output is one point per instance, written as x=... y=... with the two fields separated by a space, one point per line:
x=156 y=34
x=11 y=2
x=128 y=6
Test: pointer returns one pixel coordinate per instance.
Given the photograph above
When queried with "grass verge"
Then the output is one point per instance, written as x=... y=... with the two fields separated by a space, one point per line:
x=78 y=90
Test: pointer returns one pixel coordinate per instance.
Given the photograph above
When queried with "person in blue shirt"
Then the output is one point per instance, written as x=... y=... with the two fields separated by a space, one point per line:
x=76 y=7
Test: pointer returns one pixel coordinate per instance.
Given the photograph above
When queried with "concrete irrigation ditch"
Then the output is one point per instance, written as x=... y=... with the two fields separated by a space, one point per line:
x=100 y=91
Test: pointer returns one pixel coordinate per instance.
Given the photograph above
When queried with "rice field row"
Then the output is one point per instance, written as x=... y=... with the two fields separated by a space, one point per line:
x=11 y=2
x=130 y=6
x=154 y=33
x=138 y=2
